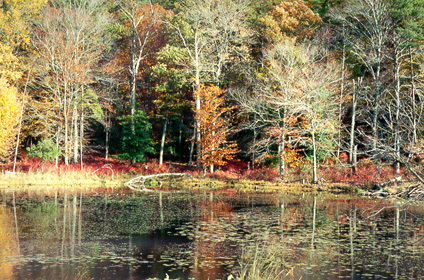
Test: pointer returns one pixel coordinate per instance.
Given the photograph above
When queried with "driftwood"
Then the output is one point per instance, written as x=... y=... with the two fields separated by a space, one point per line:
x=135 y=183
x=410 y=193
x=389 y=183
x=106 y=166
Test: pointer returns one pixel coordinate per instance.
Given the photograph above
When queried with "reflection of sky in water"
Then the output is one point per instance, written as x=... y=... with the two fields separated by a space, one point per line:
x=201 y=236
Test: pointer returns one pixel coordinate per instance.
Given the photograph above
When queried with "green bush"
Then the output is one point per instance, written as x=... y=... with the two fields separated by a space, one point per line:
x=45 y=149
x=135 y=141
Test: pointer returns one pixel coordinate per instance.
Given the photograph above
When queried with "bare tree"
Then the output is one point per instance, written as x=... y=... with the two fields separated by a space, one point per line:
x=295 y=101
x=69 y=41
x=213 y=33
x=144 y=21
x=368 y=26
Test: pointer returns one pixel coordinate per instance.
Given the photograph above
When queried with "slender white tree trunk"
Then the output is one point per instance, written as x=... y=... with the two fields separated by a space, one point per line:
x=162 y=143
x=315 y=162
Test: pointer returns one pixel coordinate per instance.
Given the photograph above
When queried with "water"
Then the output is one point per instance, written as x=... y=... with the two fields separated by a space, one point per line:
x=206 y=235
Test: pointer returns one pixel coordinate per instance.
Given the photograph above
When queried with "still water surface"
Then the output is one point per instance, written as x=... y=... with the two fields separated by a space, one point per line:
x=206 y=235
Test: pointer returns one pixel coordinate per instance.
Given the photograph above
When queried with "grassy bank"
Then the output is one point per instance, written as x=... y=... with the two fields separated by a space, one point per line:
x=113 y=173
x=79 y=180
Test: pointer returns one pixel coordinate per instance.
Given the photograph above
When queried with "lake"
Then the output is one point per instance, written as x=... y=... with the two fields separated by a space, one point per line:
x=120 y=234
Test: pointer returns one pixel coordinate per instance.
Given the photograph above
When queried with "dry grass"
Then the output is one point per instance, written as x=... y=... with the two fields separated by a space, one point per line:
x=77 y=180
x=50 y=179
x=266 y=260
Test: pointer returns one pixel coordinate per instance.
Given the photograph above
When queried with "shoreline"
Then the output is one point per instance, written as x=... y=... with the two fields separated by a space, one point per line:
x=78 y=181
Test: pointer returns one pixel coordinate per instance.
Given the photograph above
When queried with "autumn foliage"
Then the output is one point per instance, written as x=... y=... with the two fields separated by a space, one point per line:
x=9 y=116
x=215 y=149
x=289 y=19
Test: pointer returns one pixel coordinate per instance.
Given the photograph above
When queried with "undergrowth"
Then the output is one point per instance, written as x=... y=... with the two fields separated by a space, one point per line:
x=95 y=168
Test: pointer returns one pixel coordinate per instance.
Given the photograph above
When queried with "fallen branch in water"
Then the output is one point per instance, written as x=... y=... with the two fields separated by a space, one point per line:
x=132 y=184
x=412 y=192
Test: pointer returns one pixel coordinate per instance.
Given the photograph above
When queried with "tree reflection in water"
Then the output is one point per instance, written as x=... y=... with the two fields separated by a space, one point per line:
x=208 y=236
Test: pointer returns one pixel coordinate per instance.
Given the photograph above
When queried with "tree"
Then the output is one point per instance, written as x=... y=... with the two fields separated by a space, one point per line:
x=144 y=24
x=172 y=86
x=213 y=33
x=16 y=17
x=70 y=41
x=292 y=18
x=9 y=117
x=270 y=105
x=45 y=149
x=318 y=102
x=406 y=32
x=215 y=149
x=135 y=143
x=294 y=101
x=402 y=109
x=368 y=26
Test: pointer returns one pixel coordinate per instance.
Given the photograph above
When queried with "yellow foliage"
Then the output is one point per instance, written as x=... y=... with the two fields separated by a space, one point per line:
x=15 y=19
x=9 y=64
x=15 y=16
x=9 y=116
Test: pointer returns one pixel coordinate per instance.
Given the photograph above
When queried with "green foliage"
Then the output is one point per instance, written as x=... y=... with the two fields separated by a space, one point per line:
x=167 y=72
x=136 y=141
x=90 y=101
x=322 y=7
x=45 y=149
x=326 y=144
x=408 y=17
x=272 y=161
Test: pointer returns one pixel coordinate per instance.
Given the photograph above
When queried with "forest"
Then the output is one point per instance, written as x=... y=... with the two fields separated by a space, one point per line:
x=282 y=83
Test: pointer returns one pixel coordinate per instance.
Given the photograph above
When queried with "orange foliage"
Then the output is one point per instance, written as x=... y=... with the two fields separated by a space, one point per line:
x=290 y=18
x=214 y=129
x=294 y=157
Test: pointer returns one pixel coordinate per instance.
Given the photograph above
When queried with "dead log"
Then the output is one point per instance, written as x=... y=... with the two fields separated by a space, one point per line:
x=135 y=183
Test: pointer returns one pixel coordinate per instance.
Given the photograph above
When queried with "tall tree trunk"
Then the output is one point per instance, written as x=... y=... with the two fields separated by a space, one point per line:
x=133 y=80
x=376 y=109
x=281 y=147
x=197 y=85
x=81 y=128
x=65 y=112
x=413 y=101
x=20 y=121
x=396 y=85
x=107 y=135
x=315 y=162
x=355 y=92
x=180 y=138
x=211 y=167
x=162 y=143
x=339 y=136
x=254 y=144
x=190 y=157
x=76 y=140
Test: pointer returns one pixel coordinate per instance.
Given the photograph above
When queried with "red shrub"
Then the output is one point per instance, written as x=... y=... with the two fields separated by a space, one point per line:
x=263 y=174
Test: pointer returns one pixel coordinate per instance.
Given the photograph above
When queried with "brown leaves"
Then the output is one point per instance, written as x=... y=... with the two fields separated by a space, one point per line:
x=291 y=18
x=214 y=128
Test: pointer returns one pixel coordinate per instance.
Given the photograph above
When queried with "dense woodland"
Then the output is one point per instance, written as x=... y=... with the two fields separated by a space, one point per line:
x=205 y=82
